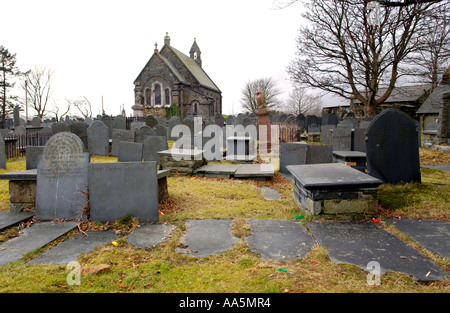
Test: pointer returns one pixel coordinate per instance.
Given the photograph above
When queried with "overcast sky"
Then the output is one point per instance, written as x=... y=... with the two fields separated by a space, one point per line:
x=97 y=48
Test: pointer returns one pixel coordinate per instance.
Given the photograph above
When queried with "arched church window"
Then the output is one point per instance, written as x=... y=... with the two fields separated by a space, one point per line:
x=167 y=96
x=148 y=98
x=157 y=94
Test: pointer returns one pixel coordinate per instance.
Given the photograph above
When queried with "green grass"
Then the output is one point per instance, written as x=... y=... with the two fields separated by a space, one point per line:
x=163 y=269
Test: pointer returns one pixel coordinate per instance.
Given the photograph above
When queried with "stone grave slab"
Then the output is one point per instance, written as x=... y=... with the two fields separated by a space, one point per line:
x=254 y=171
x=98 y=138
x=149 y=235
x=440 y=167
x=9 y=219
x=216 y=170
x=32 y=238
x=333 y=188
x=33 y=153
x=431 y=234
x=130 y=151
x=70 y=249
x=279 y=240
x=207 y=237
x=359 y=243
x=118 y=189
x=61 y=175
x=270 y=194
x=355 y=159
x=392 y=148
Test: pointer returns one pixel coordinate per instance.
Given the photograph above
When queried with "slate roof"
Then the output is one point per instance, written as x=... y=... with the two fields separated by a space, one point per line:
x=403 y=93
x=434 y=102
x=197 y=72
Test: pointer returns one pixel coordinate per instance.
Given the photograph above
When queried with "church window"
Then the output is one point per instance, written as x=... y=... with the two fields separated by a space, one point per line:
x=157 y=94
x=167 y=96
x=148 y=98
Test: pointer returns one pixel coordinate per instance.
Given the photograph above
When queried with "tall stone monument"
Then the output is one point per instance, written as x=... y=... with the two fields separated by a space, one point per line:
x=263 y=120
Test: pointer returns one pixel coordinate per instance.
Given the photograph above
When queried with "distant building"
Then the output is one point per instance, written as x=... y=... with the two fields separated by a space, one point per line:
x=174 y=82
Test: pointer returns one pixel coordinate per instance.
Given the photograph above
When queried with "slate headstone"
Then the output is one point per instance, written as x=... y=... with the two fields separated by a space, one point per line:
x=142 y=132
x=16 y=115
x=33 y=154
x=292 y=153
x=80 y=129
x=392 y=148
x=61 y=178
x=342 y=138
x=151 y=121
x=219 y=120
x=119 y=135
x=2 y=152
x=36 y=121
x=120 y=189
x=319 y=154
x=98 y=138
x=130 y=152
x=153 y=144
x=160 y=130
x=326 y=134
x=108 y=123
x=120 y=122
x=59 y=127
x=20 y=131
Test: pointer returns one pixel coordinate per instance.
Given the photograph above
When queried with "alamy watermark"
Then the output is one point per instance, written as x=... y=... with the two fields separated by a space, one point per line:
x=374 y=276
x=74 y=276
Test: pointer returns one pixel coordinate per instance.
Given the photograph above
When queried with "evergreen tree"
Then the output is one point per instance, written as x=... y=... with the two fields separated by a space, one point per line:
x=8 y=70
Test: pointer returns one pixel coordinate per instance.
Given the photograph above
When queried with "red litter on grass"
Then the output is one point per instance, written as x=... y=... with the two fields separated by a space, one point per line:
x=375 y=220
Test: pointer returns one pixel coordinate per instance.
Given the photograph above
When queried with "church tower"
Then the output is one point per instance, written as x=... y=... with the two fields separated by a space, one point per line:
x=195 y=53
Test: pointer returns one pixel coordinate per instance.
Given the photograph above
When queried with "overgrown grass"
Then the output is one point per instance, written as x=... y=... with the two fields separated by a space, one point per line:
x=163 y=269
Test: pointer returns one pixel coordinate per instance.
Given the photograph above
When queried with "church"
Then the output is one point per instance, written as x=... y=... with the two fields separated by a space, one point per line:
x=174 y=82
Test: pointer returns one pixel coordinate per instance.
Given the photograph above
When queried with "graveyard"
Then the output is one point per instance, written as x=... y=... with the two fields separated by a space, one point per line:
x=139 y=215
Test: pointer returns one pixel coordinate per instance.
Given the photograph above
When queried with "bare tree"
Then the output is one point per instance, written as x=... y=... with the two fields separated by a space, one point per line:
x=342 y=52
x=270 y=88
x=83 y=105
x=432 y=57
x=60 y=112
x=39 y=89
x=300 y=101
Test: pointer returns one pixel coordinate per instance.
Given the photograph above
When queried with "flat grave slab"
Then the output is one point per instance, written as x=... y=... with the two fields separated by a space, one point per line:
x=433 y=235
x=216 y=170
x=9 y=219
x=440 y=167
x=270 y=194
x=333 y=188
x=359 y=243
x=32 y=238
x=71 y=248
x=206 y=237
x=150 y=235
x=20 y=175
x=254 y=171
x=279 y=240
x=355 y=159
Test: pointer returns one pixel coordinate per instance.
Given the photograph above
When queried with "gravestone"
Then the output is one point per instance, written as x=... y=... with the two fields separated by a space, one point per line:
x=152 y=145
x=392 y=148
x=160 y=130
x=326 y=134
x=61 y=178
x=108 y=123
x=36 y=121
x=33 y=154
x=130 y=152
x=20 y=131
x=319 y=154
x=342 y=138
x=80 y=129
x=230 y=120
x=333 y=119
x=219 y=120
x=119 y=135
x=292 y=153
x=120 y=189
x=301 y=122
x=120 y=122
x=136 y=125
x=142 y=132
x=313 y=124
x=59 y=127
x=98 y=140
x=16 y=116
x=359 y=139
x=150 y=121
x=161 y=121
x=2 y=152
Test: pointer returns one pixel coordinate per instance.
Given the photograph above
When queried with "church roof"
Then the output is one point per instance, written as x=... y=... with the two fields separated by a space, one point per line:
x=195 y=70
x=193 y=67
x=434 y=102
